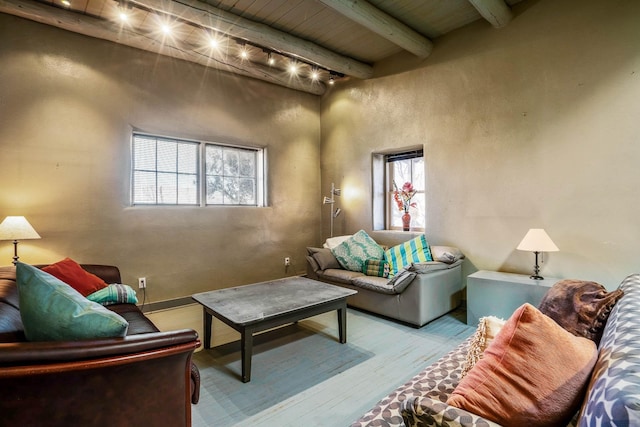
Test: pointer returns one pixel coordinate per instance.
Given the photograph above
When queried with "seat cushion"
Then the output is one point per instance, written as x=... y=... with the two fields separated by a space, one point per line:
x=340 y=275
x=138 y=322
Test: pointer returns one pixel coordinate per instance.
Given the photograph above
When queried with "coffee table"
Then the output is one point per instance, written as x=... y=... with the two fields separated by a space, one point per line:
x=257 y=307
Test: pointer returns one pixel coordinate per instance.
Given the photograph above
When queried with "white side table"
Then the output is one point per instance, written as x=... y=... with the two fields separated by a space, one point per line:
x=492 y=293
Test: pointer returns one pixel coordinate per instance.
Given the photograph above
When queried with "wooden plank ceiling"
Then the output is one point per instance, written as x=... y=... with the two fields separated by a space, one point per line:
x=325 y=40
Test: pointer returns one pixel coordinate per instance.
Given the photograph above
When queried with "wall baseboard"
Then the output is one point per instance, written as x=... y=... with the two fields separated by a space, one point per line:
x=164 y=305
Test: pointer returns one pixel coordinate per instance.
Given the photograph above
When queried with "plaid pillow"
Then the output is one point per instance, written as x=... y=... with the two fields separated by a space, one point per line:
x=376 y=267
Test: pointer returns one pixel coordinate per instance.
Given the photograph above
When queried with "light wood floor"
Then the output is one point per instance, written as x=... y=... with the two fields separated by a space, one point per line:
x=302 y=375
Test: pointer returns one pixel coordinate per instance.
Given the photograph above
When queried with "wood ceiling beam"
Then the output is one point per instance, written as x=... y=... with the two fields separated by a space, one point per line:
x=497 y=12
x=262 y=35
x=105 y=30
x=382 y=24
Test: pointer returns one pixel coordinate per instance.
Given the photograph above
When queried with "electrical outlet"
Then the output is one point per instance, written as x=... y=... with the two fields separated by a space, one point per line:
x=142 y=282
x=287 y=261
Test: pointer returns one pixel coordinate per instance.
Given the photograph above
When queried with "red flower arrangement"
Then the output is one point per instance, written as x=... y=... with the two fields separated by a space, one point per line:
x=403 y=197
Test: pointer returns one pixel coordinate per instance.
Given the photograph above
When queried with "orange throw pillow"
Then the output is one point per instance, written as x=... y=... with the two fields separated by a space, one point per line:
x=534 y=373
x=75 y=276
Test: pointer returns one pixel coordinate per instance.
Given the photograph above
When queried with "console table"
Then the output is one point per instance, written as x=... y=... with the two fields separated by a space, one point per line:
x=493 y=293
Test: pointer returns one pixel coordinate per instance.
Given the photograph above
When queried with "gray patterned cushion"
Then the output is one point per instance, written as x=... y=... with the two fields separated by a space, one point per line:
x=613 y=396
x=353 y=252
x=437 y=382
x=427 y=412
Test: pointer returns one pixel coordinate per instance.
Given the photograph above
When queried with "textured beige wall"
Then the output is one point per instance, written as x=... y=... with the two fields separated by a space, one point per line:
x=532 y=126
x=68 y=105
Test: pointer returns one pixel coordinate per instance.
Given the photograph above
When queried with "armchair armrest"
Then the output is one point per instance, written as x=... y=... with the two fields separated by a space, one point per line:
x=100 y=382
x=446 y=254
x=427 y=412
x=31 y=353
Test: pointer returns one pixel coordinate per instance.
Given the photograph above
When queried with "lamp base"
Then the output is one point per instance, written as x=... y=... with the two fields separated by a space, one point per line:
x=15 y=252
x=536 y=269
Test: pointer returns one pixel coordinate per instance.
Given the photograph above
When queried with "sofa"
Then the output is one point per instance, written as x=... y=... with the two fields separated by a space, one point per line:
x=611 y=396
x=417 y=295
x=143 y=378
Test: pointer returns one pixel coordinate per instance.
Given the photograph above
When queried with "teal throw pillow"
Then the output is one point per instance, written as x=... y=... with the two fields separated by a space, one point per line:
x=51 y=310
x=115 y=293
x=353 y=252
x=403 y=255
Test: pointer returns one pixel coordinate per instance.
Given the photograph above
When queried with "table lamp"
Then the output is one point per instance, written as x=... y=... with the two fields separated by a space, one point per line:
x=17 y=228
x=537 y=240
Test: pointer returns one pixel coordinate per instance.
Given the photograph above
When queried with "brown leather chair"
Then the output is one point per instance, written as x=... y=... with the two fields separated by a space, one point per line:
x=145 y=378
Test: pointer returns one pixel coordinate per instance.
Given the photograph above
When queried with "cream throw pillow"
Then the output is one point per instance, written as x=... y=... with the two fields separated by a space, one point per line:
x=488 y=328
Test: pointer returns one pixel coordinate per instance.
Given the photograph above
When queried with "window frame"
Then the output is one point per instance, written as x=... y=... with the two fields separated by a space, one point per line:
x=259 y=177
x=382 y=189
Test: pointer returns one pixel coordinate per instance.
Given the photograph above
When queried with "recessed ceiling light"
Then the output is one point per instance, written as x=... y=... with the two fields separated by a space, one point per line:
x=123 y=16
x=166 y=29
x=66 y=2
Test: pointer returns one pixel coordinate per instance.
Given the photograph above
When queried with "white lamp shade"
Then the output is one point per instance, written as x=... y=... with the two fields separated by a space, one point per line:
x=17 y=228
x=537 y=240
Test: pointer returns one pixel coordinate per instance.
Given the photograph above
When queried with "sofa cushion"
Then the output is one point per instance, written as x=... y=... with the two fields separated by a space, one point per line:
x=324 y=258
x=51 y=310
x=373 y=283
x=116 y=293
x=332 y=242
x=413 y=251
x=580 y=307
x=339 y=275
x=533 y=374
x=376 y=267
x=435 y=381
x=75 y=276
x=353 y=252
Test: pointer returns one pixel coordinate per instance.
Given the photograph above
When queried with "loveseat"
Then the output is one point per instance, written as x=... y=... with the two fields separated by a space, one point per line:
x=612 y=396
x=144 y=378
x=416 y=295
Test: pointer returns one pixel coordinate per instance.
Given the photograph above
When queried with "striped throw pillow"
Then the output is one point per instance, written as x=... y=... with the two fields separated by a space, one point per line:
x=401 y=256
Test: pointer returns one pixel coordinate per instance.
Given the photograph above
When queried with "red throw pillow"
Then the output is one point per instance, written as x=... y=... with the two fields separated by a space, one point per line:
x=75 y=276
x=533 y=374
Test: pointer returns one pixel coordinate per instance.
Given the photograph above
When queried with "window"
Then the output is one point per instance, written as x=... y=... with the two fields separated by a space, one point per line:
x=167 y=171
x=401 y=168
x=398 y=167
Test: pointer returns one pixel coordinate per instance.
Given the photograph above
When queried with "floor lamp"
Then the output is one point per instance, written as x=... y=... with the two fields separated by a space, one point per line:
x=17 y=228
x=331 y=201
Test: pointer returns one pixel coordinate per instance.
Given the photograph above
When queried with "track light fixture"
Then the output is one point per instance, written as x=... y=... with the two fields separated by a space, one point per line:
x=215 y=38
